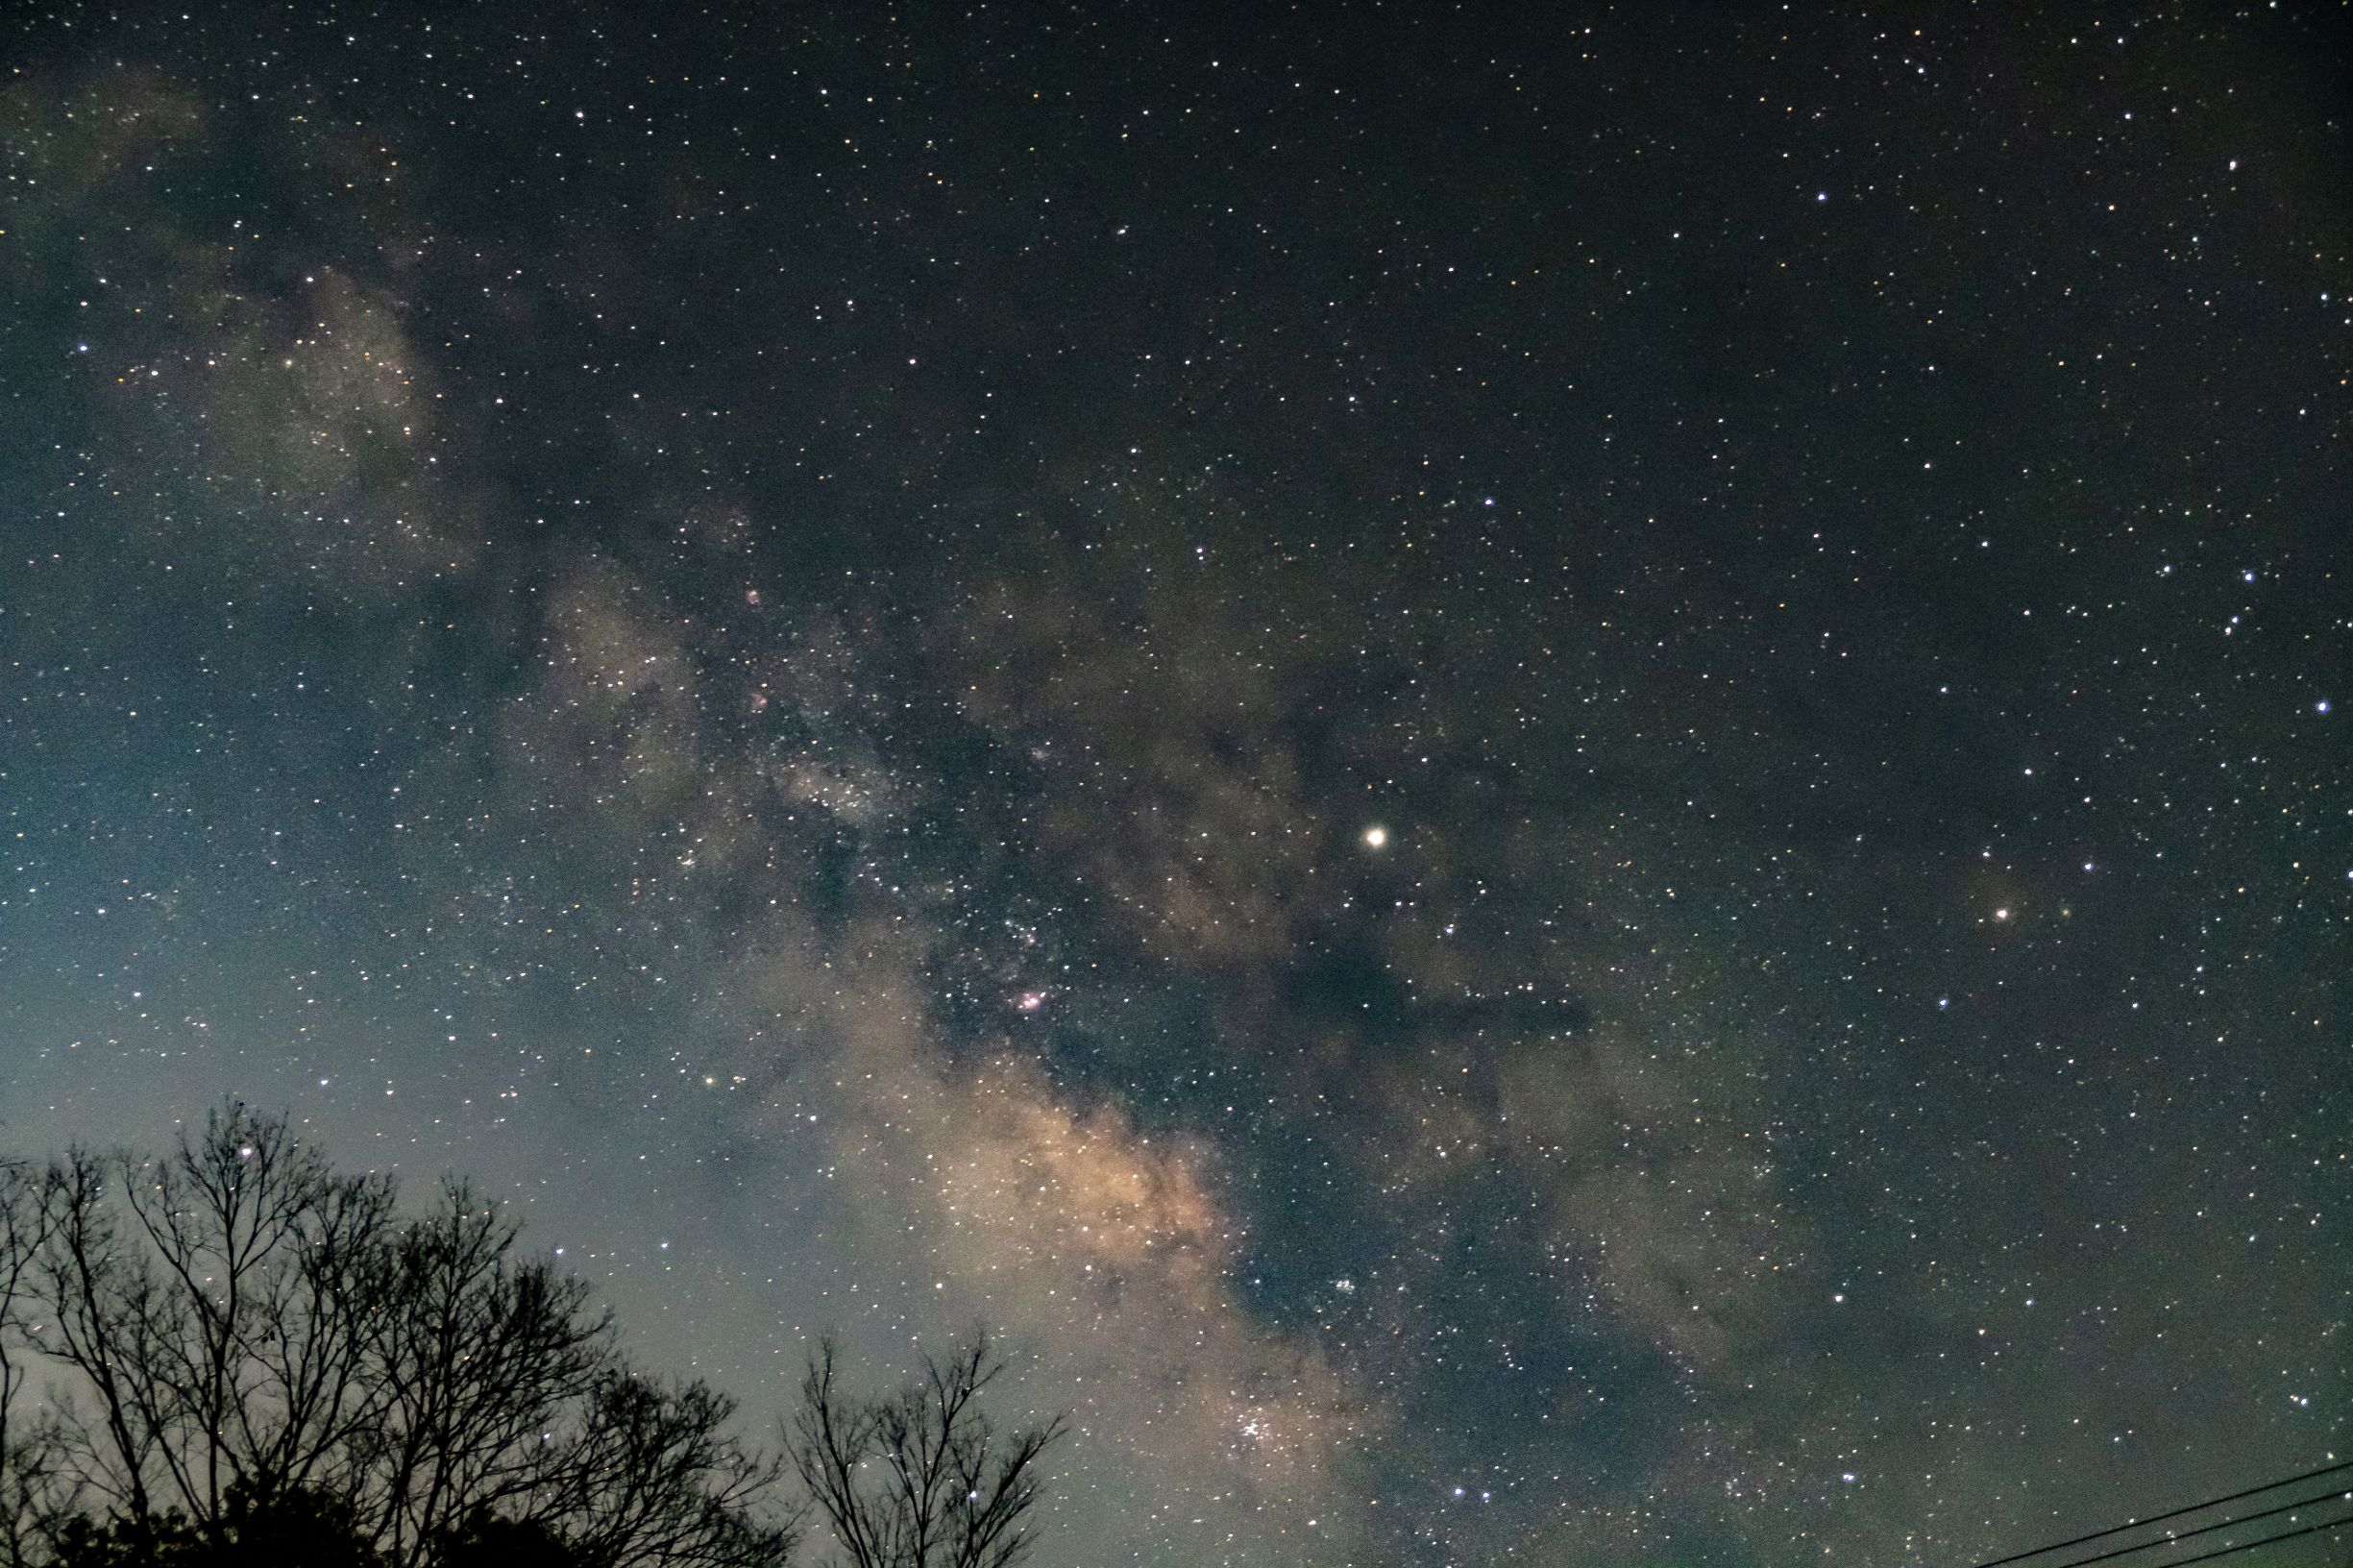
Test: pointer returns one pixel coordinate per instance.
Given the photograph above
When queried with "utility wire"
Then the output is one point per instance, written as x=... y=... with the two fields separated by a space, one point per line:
x=2285 y=1535
x=2154 y=1518
x=2207 y=1530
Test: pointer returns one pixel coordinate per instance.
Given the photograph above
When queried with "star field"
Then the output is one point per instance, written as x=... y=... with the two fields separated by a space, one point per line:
x=1547 y=785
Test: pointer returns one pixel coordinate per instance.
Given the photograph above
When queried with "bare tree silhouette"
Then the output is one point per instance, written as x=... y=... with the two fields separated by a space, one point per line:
x=249 y=1343
x=29 y=1491
x=919 y=1478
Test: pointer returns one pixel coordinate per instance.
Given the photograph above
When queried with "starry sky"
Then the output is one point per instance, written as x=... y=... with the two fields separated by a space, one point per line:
x=1554 y=784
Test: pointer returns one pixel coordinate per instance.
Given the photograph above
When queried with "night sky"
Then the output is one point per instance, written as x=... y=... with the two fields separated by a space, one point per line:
x=1552 y=784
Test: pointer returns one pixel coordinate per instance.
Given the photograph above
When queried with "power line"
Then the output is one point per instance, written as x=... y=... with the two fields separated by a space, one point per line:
x=2207 y=1530
x=2249 y=1546
x=2155 y=1518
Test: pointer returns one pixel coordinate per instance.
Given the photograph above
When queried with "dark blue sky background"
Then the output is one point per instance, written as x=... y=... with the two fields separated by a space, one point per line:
x=1554 y=787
